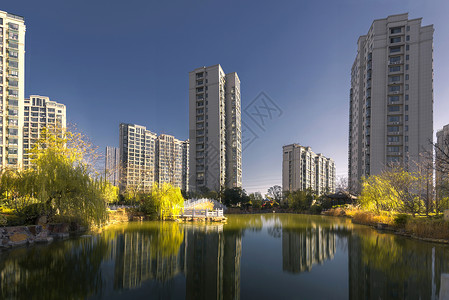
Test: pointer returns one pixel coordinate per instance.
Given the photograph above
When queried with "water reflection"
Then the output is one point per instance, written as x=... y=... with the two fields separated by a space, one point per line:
x=383 y=266
x=186 y=261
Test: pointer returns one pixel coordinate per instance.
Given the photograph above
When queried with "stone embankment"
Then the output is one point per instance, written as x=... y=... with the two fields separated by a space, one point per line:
x=23 y=235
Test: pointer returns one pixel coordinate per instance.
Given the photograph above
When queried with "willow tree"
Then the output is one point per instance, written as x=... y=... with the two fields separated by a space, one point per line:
x=64 y=177
x=165 y=200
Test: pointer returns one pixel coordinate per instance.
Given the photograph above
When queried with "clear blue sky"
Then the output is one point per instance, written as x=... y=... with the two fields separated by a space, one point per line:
x=115 y=61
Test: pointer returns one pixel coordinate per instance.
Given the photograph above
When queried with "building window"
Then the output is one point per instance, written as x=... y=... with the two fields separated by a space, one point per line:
x=395 y=69
x=406 y=76
x=393 y=98
x=406 y=138
x=394 y=78
x=394 y=88
x=407 y=47
x=407 y=57
x=395 y=59
x=395 y=49
x=394 y=108
x=407 y=38
x=406 y=127
x=393 y=139
x=406 y=66
x=406 y=117
x=406 y=107
x=406 y=87
x=395 y=40
x=393 y=128
x=406 y=97
x=408 y=28
x=393 y=119
x=395 y=30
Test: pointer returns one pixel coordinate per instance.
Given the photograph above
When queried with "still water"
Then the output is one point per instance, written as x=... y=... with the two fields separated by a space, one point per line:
x=270 y=256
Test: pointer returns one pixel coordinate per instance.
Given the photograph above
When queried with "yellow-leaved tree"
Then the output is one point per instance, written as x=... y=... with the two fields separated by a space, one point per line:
x=164 y=201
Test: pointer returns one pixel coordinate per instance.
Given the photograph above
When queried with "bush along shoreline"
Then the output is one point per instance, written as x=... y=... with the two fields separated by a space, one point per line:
x=425 y=228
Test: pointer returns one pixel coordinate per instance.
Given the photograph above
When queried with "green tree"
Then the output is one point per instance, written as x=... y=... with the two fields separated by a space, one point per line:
x=275 y=193
x=235 y=196
x=165 y=201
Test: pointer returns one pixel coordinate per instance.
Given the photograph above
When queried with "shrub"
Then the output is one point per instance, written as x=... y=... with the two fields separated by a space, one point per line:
x=316 y=209
x=32 y=212
x=401 y=219
x=14 y=220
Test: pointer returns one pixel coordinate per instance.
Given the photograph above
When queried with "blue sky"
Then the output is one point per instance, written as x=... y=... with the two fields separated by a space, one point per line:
x=115 y=61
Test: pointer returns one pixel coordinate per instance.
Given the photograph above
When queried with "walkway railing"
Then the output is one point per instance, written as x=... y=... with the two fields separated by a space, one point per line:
x=201 y=213
x=194 y=202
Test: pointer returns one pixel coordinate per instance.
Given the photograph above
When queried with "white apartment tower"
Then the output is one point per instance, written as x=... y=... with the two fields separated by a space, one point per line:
x=112 y=165
x=38 y=113
x=172 y=161
x=391 y=97
x=214 y=129
x=137 y=158
x=12 y=89
x=303 y=169
x=146 y=158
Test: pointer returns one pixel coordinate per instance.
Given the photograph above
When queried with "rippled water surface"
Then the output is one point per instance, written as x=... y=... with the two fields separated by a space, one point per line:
x=270 y=256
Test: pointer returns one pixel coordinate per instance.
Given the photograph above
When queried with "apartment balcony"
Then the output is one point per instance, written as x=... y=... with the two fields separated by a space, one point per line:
x=394 y=153
x=392 y=63
x=400 y=132
x=394 y=123
x=394 y=93
x=395 y=102
x=394 y=143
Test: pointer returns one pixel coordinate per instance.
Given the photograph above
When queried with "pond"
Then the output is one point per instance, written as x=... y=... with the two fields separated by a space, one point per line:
x=265 y=256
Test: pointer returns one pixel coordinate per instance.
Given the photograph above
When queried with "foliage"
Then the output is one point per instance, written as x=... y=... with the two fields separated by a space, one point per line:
x=401 y=219
x=109 y=192
x=234 y=196
x=300 y=200
x=316 y=209
x=32 y=212
x=393 y=190
x=62 y=178
x=256 y=200
x=275 y=193
x=164 y=201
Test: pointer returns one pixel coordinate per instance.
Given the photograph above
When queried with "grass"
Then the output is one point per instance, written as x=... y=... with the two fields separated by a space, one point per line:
x=428 y=228
x=432 y=227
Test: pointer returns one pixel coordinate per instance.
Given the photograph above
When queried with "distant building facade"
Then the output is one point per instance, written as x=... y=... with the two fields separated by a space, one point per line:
x=303 y=169
x=441 y=151
x=146 y=158
x=112 y=165
x=172 y=161
x=391 y=97
x=12 y=89
x=39 y=113
x=215 y=129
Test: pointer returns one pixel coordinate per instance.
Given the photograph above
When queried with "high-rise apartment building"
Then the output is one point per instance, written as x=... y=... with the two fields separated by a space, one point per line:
x=146 y=158
x=12 y=89
x=38 y=113
x=112 y=165
x=172 y=166
x=391 y=97
x=137 y=158
x=214 y=129
x=303 y=169
x=441 y=167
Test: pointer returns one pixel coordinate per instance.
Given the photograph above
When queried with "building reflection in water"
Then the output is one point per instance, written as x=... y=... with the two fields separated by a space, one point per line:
x=208 y=257
x=303 y=248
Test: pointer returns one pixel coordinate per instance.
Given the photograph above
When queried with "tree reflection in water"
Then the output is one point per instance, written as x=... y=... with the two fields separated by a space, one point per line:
x=192 y=261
